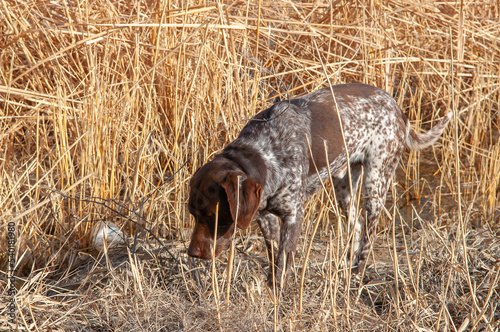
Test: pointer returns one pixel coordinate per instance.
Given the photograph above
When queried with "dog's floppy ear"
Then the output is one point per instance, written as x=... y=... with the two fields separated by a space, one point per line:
x=248 y=197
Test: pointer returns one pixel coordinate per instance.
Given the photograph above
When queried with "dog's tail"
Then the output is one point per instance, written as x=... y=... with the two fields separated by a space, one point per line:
x=420 y=141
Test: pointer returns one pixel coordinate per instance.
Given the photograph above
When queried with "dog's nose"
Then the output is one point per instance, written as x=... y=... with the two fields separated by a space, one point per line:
x=194 y=251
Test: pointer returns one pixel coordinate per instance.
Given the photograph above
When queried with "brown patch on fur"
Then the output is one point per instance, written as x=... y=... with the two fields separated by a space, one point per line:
x=324 y=127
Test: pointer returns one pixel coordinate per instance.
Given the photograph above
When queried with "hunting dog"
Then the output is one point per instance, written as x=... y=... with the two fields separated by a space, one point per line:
x=282 y=156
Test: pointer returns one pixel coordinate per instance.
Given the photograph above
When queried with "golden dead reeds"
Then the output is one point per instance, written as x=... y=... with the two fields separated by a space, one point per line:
x=107 y=107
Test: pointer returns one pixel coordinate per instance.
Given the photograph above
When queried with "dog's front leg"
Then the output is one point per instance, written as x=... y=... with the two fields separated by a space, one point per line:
x=292 y=223
x=270 y=227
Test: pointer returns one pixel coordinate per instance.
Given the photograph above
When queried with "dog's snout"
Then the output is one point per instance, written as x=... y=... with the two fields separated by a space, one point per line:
x=194 y=251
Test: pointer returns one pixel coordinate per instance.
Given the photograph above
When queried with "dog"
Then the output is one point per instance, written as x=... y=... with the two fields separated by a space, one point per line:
x=283 y=155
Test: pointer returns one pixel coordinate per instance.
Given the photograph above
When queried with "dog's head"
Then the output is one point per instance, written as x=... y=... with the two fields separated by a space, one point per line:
x=221 y=197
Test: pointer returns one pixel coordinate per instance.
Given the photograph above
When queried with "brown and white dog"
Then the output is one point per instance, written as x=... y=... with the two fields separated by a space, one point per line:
x=279 y=160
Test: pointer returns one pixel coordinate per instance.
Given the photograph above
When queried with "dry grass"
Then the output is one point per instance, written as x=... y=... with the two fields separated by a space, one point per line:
x=107 y=107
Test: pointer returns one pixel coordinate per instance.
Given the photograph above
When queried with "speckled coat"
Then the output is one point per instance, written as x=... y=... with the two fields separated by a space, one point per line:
x=281 y=157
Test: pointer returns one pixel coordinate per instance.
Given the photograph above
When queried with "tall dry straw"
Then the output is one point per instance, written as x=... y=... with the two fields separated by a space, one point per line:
x=102 y=102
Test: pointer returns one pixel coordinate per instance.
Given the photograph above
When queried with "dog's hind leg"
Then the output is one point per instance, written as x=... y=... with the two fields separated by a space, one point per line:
x=378 y=172
x=349 y=204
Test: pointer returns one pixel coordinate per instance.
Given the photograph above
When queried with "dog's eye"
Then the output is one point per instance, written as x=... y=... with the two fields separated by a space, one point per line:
x=211 y=190
x=194 y=212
